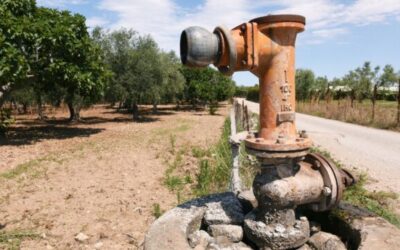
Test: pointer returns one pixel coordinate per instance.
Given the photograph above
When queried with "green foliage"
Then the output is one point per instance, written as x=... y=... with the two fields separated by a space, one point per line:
x=12 y=240
x=241 y=91
x=157 y=212
x=305 y=80
x=141 y=73
x=214 y=174
x=376 y=202
x=49 y=51
x=206 y=86
x=5 y=121
x=253 y=93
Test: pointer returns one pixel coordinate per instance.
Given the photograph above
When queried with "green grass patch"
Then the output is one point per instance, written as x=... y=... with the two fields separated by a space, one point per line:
x=12 y=240
x=215 y=166
x=212 y=174
x=32 y=168
x=376 y=202
x=249 y=167
x=183 y=127
x=157 y=211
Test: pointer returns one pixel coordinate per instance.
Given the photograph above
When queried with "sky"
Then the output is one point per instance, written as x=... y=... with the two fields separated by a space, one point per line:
x=339 y=36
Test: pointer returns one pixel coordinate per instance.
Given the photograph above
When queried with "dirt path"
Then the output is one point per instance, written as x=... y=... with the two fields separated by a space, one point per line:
x=101 y=178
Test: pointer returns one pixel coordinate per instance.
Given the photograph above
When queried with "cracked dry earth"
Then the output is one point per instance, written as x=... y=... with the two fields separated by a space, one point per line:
x=100 y=178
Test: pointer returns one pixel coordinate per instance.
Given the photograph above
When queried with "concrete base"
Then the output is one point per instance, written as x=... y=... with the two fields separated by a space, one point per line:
x=357 y=228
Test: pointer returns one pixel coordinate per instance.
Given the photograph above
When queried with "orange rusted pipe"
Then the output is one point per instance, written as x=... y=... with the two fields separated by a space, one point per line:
x=264 y=46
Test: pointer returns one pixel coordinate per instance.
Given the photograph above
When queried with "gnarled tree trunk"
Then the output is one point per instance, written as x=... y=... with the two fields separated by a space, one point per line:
x=74 y=112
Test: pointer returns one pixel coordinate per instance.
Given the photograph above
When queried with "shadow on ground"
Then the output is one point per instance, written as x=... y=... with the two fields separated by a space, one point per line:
x=17 y=136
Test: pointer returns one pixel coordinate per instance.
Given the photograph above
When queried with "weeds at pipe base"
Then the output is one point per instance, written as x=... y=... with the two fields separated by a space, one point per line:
x=212 y=174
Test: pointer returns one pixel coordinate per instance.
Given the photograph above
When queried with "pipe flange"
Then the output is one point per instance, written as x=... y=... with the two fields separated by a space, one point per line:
x=226 y=35
x=333 y=185
x=268 y=149
x=279 y=18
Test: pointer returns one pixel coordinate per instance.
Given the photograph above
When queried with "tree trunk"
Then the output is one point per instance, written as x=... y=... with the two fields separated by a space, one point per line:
x=119 y=106
x=155 y=109
x=352 y=98
x=135 y=111
x=40 y=107
x=74 y=112
x=374 y=102
x=398 y=106
x=25 y=108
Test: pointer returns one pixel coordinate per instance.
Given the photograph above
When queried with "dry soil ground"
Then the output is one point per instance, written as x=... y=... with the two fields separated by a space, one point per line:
x=101 y=177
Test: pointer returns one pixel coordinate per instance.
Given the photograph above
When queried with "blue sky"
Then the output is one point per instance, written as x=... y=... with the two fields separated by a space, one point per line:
x=339 y=36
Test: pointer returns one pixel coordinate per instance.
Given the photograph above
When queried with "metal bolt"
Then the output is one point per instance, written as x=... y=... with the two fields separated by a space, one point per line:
x=303 y=134
x=316 y=165
x=281 y=141
x=327 y=191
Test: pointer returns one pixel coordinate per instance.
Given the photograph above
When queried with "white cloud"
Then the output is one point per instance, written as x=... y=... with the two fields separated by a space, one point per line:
x=96 y=21
x=329 y=33
x=326 y=19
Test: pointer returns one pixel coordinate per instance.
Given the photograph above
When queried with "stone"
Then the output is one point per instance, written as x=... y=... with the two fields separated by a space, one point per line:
x=279 y=228
x=171 y=230
x=275 y=236
x=81 y=237
x=200 y=239
x=228 y=246
x=304 y=247
x=326 y=241
x=227 y=210
x=374 y=232
x=233 y=232
x=248 y=200
x=315 y=227
x=98 y=245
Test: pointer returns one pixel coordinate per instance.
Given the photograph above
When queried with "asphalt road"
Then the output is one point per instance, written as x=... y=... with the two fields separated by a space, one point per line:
x=375 y=151
x=370 y=150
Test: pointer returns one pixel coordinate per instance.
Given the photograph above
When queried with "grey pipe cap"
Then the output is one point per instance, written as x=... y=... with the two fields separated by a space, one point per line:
x=199 y=47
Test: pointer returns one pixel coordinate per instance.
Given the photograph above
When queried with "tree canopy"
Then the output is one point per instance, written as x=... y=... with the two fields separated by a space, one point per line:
x=50 y=51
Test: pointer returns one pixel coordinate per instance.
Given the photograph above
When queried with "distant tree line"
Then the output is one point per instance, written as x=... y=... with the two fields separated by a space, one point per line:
x=48 y=57
x=141 y=73
x=363 y=83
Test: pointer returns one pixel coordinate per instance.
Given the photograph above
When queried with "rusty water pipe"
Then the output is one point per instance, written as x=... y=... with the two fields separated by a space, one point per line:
x=290 y=175
x=264 y=46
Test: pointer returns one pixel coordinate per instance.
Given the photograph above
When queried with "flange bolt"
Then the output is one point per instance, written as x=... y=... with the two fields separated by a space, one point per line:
x=327 y=191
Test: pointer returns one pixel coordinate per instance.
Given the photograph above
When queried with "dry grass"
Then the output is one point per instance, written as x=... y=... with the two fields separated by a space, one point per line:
x=361 y=113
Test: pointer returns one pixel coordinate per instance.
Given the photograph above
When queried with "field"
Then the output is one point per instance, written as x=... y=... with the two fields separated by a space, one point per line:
x=361 y=113
x=106 y=177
